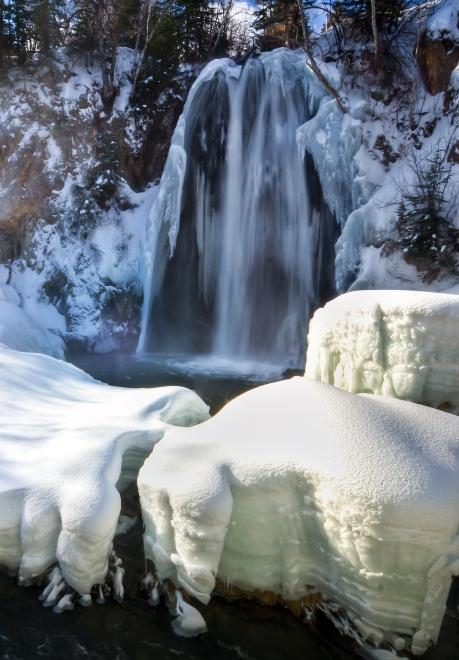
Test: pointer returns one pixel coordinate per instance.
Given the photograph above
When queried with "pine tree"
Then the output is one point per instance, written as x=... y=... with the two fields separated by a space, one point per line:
x=280 y=23
x=193 y=19
x=46 y=16
x=424 y=220
x=4 y=36
x=94 y=33
x=83 y=37
x=359 y=12
x=20 y=20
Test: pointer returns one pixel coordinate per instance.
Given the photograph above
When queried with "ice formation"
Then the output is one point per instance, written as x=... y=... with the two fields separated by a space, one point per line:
x=188 y=621
x=299 y=486
x=20 y=332
x=67 y=442
x=396 y=343
x=240 y=240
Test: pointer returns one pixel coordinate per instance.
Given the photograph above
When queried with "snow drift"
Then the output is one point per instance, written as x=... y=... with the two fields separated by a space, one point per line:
x=396 y=343
x=297 y=486
x=66 y=443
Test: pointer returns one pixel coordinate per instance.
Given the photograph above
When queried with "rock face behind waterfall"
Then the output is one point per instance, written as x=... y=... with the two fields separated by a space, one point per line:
x=241 y=240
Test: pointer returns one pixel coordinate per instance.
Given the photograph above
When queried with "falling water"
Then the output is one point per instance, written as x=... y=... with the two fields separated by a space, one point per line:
x=240 y=246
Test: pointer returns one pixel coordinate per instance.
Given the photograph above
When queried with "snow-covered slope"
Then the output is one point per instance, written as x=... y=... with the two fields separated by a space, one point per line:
x=298 y=486
x=19 y=331
x=76 y=185
x=64 y=441
x=365 y=157
x=396 y=343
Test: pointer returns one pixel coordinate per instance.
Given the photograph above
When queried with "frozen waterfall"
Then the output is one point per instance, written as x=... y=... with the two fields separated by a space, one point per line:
x=240 y=246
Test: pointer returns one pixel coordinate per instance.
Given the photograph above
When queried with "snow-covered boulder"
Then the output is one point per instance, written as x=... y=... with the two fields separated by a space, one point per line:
x=20 y=332
x=298 y=486
x=403 y=344
x=66 y=443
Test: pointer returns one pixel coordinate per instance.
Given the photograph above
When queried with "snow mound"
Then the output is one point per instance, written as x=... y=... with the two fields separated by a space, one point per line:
x=66 y=443
x=403 y=344
x=20 y=332
x=299 y=486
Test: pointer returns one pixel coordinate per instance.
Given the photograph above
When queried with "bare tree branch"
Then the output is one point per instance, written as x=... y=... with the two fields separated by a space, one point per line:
x=145 y=16
x=313 y=63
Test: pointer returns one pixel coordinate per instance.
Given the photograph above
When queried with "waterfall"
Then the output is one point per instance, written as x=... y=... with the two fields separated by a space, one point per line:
x=240 y=241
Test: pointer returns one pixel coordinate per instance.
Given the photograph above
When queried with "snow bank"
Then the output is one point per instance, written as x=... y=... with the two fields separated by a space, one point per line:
x=298 y=486
x=396 y=343
x=20 y=332
x=64 y=441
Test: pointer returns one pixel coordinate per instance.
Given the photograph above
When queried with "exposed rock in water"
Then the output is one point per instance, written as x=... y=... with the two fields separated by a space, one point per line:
x=299 y=608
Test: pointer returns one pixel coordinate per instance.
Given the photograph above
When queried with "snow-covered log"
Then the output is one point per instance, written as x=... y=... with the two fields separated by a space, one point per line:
x=298 y=487
x=403 y=344
x=67 y=442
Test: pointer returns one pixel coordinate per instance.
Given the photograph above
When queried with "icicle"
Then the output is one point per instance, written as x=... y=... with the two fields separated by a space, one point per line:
x=56 y=585
x=118 y=588
x=100 y=597
x=85 y=600
x=154 y=597
x=148 y=582
x=65 y=603
x=117 y=574
x=54 y=579
x=188 y=621
x=54 y=594
x=151 y=585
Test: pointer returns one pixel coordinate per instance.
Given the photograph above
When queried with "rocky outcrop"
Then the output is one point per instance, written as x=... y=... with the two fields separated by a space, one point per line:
x=54 y=127
x=436 y=60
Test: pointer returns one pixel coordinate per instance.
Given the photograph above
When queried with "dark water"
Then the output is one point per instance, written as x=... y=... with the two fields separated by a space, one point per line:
x=134 y=631
x=216 y=384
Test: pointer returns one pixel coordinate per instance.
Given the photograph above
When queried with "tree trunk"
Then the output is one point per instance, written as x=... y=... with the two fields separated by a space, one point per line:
x=107 y=49
x=149 y=34
x=376 y=41
x=226 y=11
